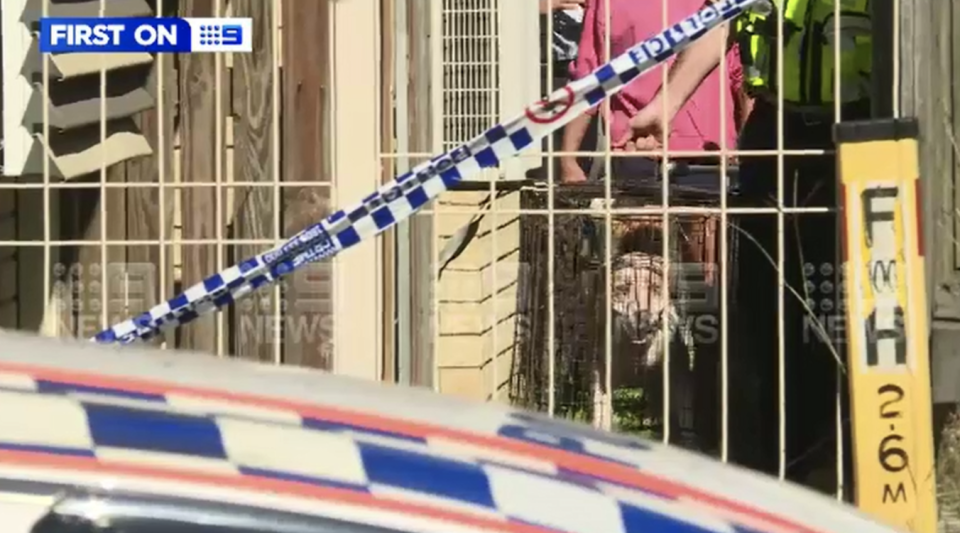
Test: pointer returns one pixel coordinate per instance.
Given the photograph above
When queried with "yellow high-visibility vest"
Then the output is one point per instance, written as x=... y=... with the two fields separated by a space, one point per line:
x=809 y=43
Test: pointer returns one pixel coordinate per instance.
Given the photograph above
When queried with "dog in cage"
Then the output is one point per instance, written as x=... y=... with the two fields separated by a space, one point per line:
x=648 y=312
x=641 y=315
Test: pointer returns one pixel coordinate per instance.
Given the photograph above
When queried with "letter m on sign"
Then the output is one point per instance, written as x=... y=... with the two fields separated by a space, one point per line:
x=883 y=275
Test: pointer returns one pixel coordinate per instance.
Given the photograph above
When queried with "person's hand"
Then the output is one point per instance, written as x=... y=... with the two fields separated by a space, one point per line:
x=546 y=6
x=570 y=171
x=647 y=129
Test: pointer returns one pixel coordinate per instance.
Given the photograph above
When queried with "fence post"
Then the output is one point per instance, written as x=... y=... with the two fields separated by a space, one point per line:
x=388 y=168
x=306 y=148
x=420 y=132
x=929 y=31
x=356 y=148
x=254 y=208
x=199 y=164
x=887 y=345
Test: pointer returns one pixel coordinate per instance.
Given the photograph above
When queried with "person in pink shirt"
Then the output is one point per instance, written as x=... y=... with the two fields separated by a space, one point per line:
x=698 y=125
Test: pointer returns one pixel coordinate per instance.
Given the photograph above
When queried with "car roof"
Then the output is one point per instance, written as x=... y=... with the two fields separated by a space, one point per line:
x=186 y=423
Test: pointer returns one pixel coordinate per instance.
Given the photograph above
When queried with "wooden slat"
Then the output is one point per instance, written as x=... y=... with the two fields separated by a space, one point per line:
x=198 y=162
x=32 y=303
x=94 y=283
x=9 y=257
x=114 y=294
x=951 y=42
x=81 y=216
x=74 y=211
x=143 y=205
x=87 y=112
x=85 y=8
x=9 y=288
x=68 y=66
x=388 y=145
x=252 y=76
x=308 y=336
x=421 y=226
x=77 y=153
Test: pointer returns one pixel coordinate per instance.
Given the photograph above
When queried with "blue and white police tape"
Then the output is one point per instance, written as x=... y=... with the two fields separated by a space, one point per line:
x=408 y=193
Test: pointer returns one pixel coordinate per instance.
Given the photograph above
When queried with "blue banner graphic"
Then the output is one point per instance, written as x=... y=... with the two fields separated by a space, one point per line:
x=152 y=35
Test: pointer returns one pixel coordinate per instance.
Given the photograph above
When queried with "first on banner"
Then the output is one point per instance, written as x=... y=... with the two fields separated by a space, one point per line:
x=153 y=35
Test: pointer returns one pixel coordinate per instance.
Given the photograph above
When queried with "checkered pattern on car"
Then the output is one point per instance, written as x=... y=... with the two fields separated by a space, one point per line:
x=190 y=433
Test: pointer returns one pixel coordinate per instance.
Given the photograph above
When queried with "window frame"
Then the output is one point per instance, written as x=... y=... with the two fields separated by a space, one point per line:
x=92 y=511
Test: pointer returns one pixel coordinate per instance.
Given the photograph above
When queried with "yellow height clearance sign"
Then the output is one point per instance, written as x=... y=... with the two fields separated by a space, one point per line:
x=889 y=361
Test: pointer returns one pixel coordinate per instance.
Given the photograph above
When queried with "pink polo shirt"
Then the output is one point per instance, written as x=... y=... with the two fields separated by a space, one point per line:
x=698 y=123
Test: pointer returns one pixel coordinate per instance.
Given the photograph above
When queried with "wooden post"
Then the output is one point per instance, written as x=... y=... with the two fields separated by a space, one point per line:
x=929 y=33
x=388 y=166
x=929 y=36
x=420 y=134
x=355 y=30
x=888 y=360
x=252 y=75
x=144 y=269
x=308 y=297
x=198 y=164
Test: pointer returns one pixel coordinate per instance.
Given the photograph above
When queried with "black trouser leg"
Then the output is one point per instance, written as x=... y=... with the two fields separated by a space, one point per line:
x=812 y=357
x=753 y=332
x=809 y=269
x=753 y=345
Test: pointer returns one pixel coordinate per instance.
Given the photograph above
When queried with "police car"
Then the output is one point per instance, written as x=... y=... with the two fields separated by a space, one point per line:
x=125 y=440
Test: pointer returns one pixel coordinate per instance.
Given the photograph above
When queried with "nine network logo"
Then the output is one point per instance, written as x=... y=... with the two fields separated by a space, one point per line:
x=219 y=35
x=152 y=35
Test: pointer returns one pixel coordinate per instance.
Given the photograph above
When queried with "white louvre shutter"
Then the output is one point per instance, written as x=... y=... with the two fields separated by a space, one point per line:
x=75 y=147
x=488 y=64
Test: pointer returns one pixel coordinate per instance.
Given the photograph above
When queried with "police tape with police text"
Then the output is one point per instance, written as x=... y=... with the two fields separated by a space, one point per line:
x=408 y=193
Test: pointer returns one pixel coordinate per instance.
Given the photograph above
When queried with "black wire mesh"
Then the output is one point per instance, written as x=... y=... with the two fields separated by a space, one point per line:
x=639 y=309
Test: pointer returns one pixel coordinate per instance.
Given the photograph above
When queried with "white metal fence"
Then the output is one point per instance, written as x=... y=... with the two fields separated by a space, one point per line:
x=571 y=300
